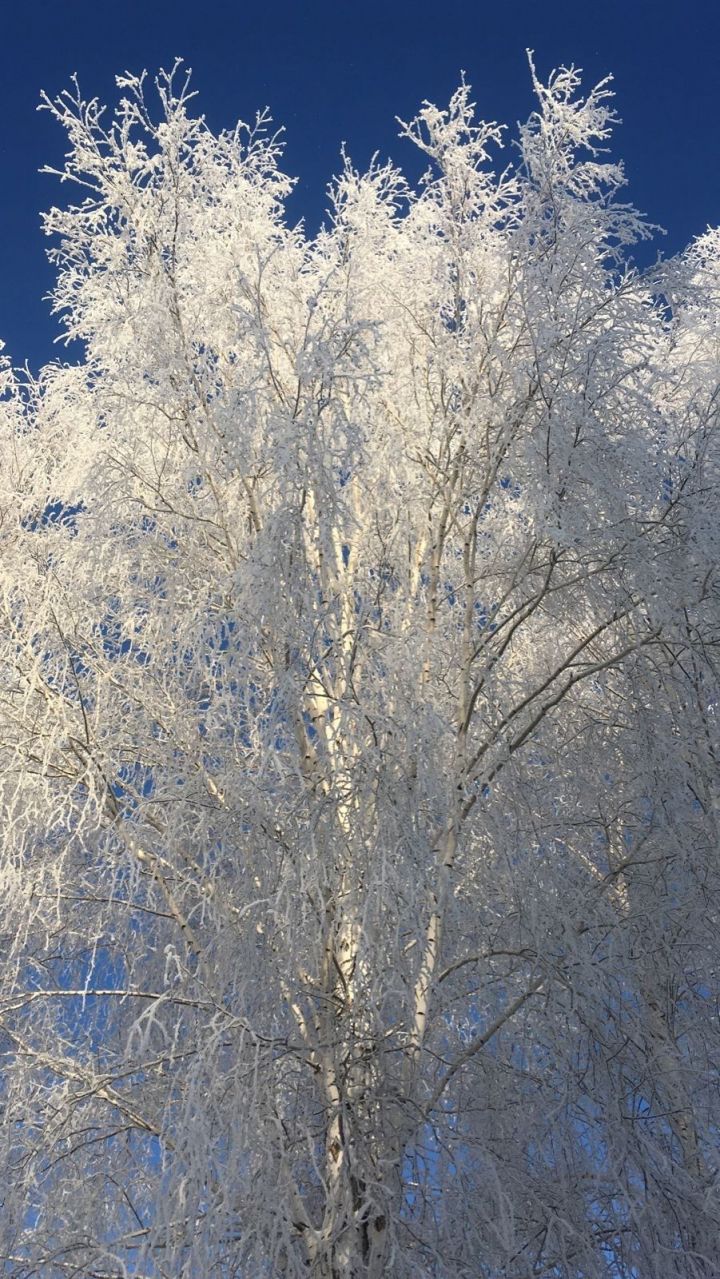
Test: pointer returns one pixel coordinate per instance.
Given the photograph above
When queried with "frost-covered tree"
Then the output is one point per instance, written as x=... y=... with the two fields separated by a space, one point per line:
x=359 y=743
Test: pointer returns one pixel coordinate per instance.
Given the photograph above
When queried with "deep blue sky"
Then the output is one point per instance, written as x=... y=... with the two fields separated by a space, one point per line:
x=341 y=72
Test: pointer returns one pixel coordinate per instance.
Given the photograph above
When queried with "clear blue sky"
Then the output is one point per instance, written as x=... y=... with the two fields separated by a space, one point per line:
x=341 y=72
